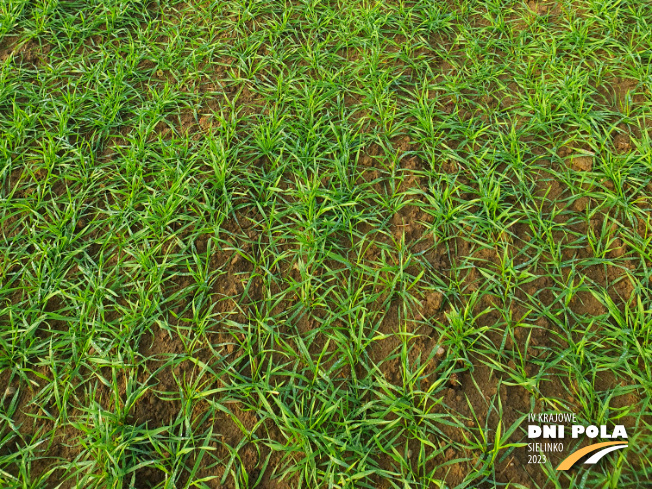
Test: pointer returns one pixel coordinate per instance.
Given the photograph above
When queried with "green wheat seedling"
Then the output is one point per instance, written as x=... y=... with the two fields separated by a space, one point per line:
x=247 y=243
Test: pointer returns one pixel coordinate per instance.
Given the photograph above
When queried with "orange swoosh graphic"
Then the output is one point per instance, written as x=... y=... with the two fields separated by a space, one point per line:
x=575 y=456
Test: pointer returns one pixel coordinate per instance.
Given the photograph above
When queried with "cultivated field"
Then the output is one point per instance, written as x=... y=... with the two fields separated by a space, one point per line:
x=322 y=243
